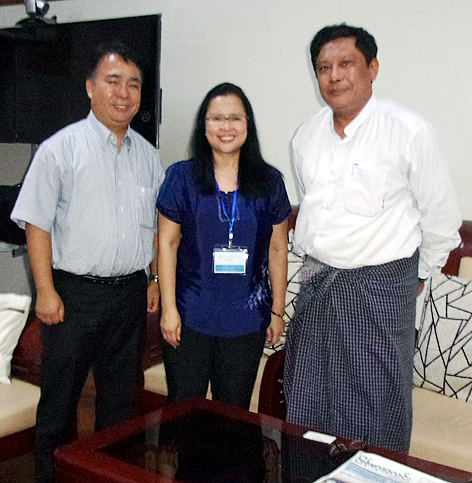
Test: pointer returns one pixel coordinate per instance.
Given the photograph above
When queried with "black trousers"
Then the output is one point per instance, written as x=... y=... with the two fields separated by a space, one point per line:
x=103 y=329
x=228 y=364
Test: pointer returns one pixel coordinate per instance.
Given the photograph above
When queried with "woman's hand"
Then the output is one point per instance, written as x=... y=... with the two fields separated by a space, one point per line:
x=278 y=280
x=169 y=241
x=275 y=329
x=171 y=326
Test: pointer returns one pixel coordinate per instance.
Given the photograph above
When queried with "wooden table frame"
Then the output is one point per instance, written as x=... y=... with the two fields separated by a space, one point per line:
x=82 y=461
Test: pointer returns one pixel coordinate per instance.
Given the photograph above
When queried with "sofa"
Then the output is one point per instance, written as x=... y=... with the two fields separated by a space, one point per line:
x=442 y=393
x=18 y=400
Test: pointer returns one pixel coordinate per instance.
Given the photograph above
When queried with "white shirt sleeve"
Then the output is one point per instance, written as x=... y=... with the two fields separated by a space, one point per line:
x=437 y=202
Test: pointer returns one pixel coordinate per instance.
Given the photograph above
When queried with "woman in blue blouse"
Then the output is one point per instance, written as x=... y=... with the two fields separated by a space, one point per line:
x=222 y=238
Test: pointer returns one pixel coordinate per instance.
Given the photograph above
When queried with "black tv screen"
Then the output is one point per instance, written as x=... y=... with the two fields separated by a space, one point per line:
x=43 y=71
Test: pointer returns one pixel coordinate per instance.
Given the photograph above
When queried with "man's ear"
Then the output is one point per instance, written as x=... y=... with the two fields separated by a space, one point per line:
x=374 y=69
x=89 y=88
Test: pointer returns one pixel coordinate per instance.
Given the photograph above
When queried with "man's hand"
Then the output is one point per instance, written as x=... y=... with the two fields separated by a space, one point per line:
x=153 y=294
x=49 y=308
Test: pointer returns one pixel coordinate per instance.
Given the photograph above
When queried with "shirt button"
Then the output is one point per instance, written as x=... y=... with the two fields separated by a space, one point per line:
x=123 y=235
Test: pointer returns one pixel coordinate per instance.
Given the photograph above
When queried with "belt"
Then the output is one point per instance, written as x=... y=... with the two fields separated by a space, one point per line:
x=122 y=280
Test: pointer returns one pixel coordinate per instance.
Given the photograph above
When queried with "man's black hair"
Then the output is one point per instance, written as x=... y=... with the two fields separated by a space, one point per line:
x=113 y=47
x=364 y=41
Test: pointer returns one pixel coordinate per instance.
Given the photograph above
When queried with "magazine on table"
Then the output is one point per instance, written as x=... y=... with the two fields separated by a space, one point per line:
x=369 y=468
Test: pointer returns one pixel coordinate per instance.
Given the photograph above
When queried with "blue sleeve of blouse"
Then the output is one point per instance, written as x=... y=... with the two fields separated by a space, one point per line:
x=280 y=206
x=171 y=195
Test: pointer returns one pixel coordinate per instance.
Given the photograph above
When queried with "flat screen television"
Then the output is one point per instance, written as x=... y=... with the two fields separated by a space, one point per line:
x=43 y=71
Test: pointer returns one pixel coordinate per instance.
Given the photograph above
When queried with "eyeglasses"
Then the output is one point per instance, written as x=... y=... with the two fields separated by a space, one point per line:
x=220 y=120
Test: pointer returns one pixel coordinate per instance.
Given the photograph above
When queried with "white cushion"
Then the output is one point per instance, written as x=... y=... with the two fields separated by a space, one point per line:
x=155 y=379
x=442 y=429
x=18 y=402
x=14 y=310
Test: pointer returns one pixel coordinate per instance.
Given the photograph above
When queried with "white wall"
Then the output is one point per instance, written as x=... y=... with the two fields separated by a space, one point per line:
x=262 y=45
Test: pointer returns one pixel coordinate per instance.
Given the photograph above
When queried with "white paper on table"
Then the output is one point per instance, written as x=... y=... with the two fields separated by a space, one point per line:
x=320 y=437
x=368 y=467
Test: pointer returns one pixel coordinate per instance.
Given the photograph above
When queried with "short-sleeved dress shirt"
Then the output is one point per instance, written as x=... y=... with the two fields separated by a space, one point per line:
x=97 y=201
x=223 y=305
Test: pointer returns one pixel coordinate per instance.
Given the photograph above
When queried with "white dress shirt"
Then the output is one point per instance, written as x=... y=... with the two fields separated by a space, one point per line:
x=376 y=195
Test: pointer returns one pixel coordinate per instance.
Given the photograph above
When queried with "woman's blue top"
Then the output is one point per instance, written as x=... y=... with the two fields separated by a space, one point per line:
x=222 y=305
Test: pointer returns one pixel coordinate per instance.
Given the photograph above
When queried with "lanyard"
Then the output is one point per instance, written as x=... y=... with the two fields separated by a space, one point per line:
x=233 y=213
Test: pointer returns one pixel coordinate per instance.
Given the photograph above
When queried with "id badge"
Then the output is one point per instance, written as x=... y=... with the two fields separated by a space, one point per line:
x=230 y=260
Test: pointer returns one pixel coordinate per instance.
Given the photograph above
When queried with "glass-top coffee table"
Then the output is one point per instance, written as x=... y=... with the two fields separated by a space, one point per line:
x=206 y=441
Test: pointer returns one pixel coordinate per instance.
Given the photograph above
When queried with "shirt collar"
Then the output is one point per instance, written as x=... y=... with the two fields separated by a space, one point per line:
x=352 y=127
x=104 y=134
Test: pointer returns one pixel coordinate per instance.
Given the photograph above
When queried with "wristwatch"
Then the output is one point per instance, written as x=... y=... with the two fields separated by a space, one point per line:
x=153 y=278
x=282 y=316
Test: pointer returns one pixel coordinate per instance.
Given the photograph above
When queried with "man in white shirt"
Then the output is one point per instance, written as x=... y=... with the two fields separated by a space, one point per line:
x=378 y=217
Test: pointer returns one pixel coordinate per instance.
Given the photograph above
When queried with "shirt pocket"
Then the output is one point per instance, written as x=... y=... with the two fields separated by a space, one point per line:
x=364 y=192
x=147 y=206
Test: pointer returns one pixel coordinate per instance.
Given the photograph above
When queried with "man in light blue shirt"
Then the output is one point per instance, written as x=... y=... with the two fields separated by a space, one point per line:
x=88 y=205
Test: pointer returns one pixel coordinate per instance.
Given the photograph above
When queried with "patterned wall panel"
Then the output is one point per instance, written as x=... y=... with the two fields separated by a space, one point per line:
x=443 y=360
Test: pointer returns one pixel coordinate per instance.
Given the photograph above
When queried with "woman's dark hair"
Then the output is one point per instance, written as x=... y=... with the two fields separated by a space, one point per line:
x=364 y=41
x=112 y=47
x=254 y=172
